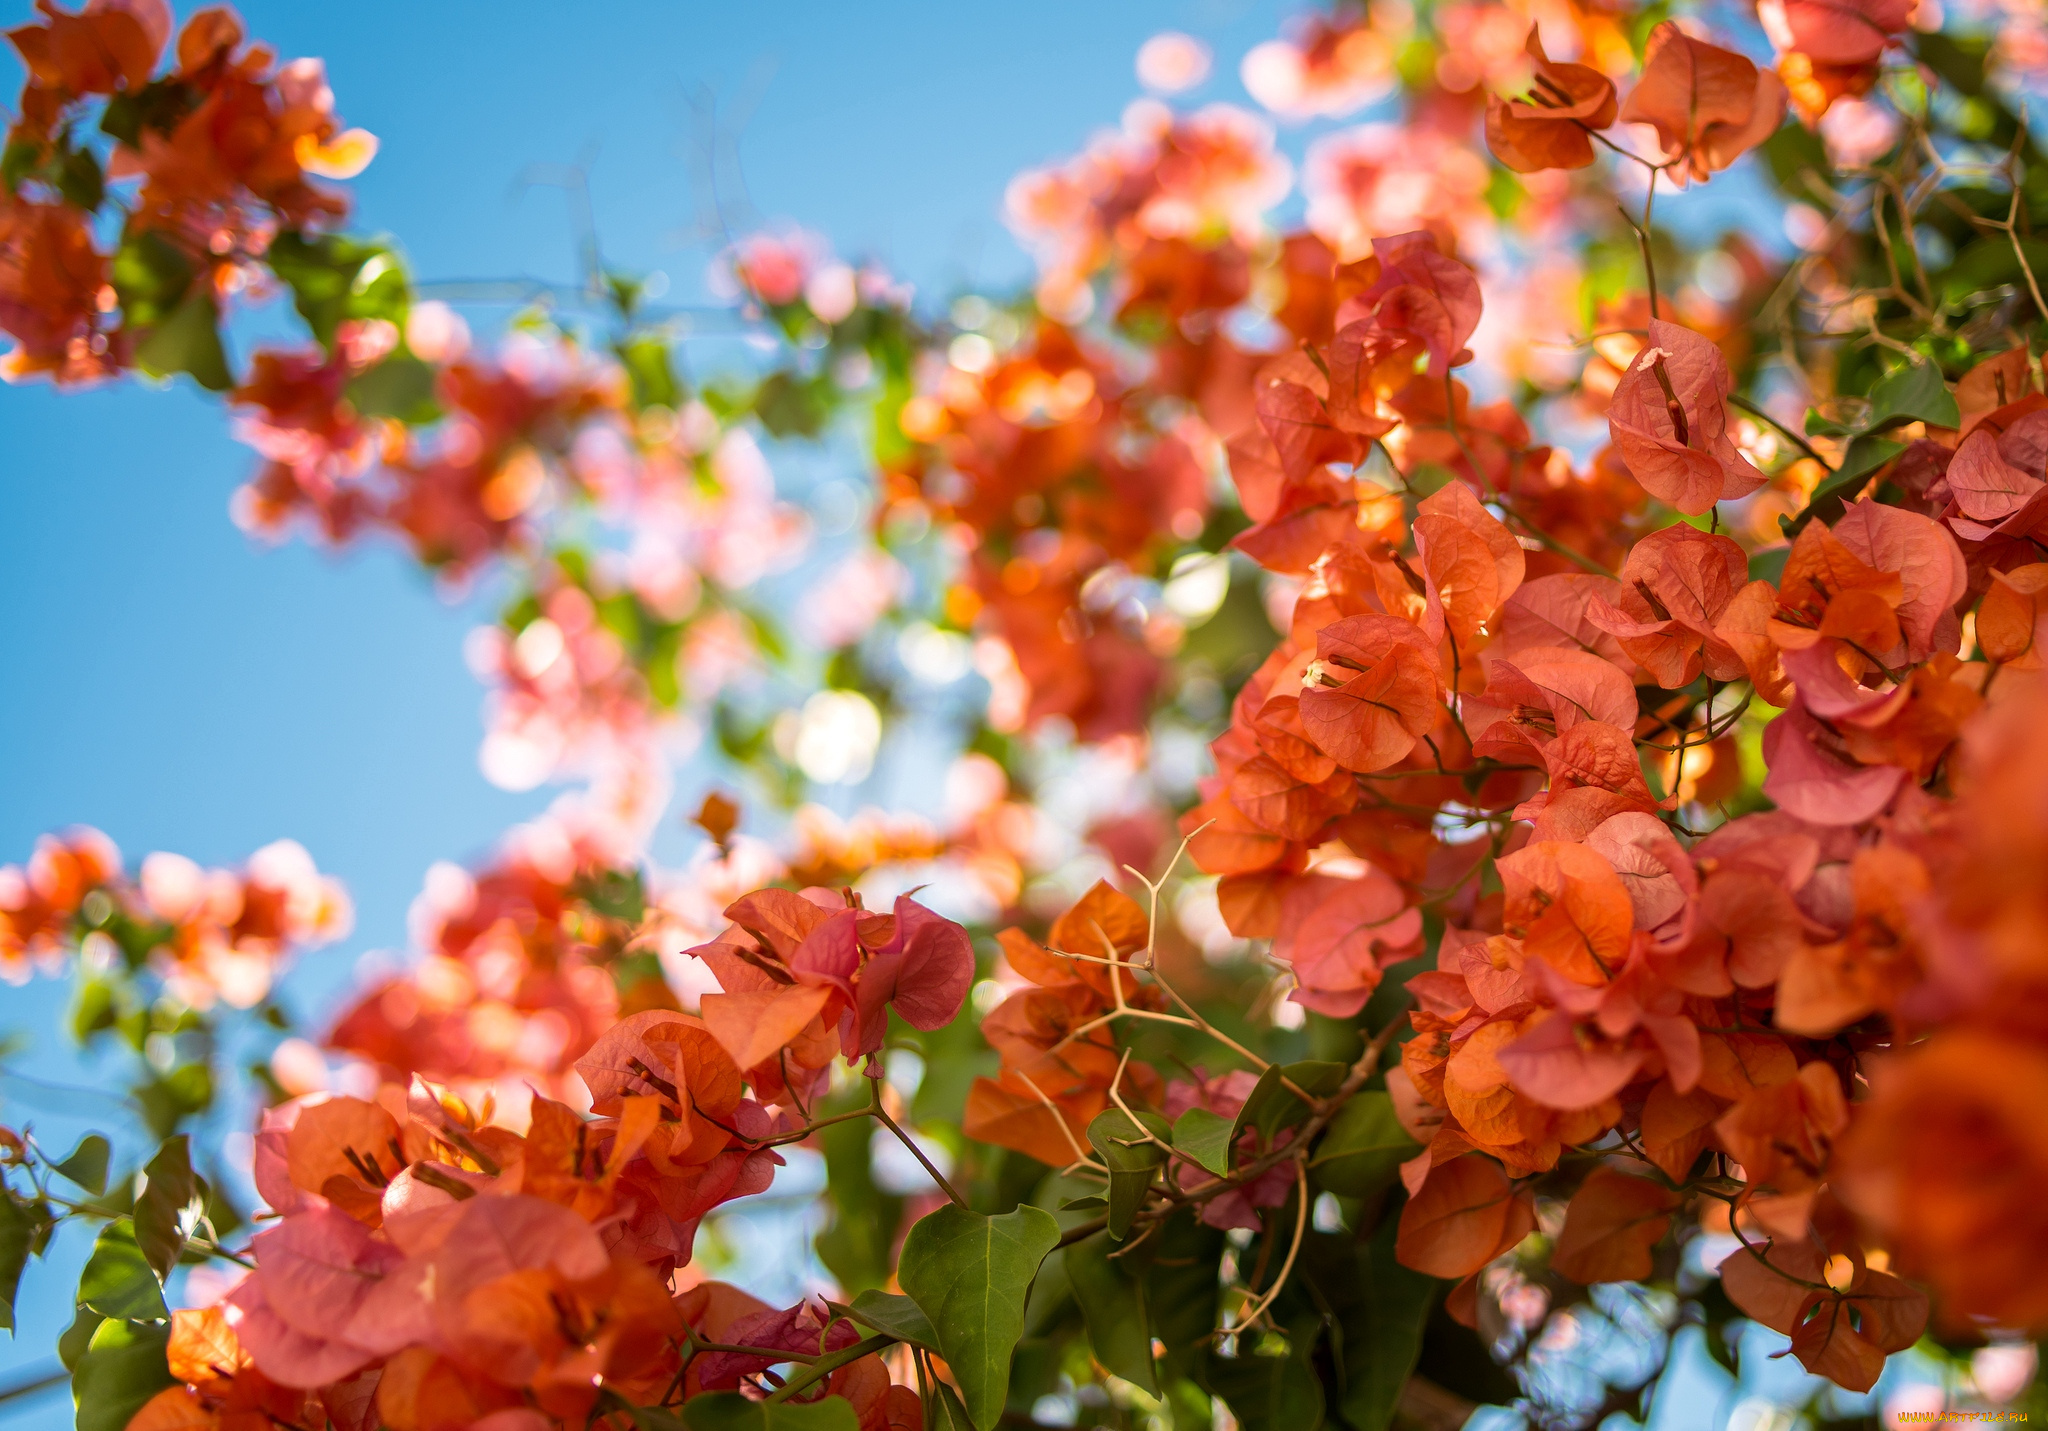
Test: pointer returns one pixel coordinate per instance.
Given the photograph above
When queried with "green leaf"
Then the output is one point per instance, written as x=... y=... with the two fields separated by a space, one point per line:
x=76 y=1338
x=188 y=341
x=400 y=387
x=730 y=1411
x=1865 y=456
x=81 y=180
x=334 y=278
x=122 y=1368
x=171 y=1201
x=150 y=278
x=1273 y=1105
x=897 y=1315
x=645 y=359
x=1113 y=1305
x=1913 y=392
x=1132 y=1158
x=117 y=1280
x=1272 y=1393
x=18 y=1225
x=158 y=105
x=1362 y=1152
x=1205 y=1137
x=1182 y=1291
x=970 y=1274
x=86 y=1164
x=1382 y=1331
x=1793 y=152
x=943 y=1411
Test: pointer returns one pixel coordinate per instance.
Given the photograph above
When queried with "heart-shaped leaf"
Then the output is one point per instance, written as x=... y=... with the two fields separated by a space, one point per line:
x=897 y=1315
x=86 y=1164
x=1273 y=1105
x=1205 y=1137
x=1113 y=1305
x=1362 y=1151
x=118 y=1280
x=970 y=1274
x=1133 y=1152
x=172 y=1199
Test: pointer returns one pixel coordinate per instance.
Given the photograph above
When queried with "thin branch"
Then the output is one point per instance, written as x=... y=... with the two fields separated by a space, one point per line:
x=909 y=1142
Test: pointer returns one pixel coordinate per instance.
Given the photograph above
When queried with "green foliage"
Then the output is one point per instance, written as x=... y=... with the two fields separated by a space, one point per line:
x=23 y=1228
x=645 y=357
x=1380 y=1308
x=1131 y=1156
x=1912 y=392
x=1272 y=1389
x=86 y=1164
x=1361 y=1152
x=118 y=1281
x=122 y=1367
x=158 y=105
x=164 y=299
x=169 y=1205
x=792 y=406
x=1273 y=1106
x=400 y=387
x=1113 y=1304
x=897 y=1315
x=730 y=1411
x=1182 y=1294
x=970 y=1274
x=334 y=278
x=943 y=1411
x=1205 y=1137
x=169 y=1099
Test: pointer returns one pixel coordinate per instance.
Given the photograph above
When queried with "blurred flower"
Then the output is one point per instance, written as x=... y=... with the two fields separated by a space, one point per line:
x=1170 y=62
x=1329 y=68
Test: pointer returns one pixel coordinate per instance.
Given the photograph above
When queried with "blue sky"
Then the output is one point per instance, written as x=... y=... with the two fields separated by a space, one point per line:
x=180 y=687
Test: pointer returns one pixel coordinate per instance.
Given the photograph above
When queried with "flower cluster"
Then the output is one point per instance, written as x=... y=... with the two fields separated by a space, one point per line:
x=226 y=144
x=210 y=935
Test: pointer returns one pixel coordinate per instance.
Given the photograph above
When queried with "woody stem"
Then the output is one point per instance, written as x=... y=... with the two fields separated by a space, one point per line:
x=825 y=1366
x=911 y=1143
x=1643 y=238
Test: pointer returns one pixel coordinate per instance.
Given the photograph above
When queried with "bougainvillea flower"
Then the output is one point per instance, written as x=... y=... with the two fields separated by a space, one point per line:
x=1842 y=1327
x=1549 y=128
x=1421 y=291
x=1330 y=66
x=1466 y=1215
x=923 y=973
x=1340 y=934
x=1569 y=908
x=1834 y=32
x=51 y=276
x=1676 y=587
x=1470 y=562
x=1994 y=495
x=1810 y=779
x=1610 y=1227
x=315 y=1271
x=107 y=49
x=1369 y=720
x=1669 y=420
x=1543 y=693
x=2009 y=623
x=1930 y=567
x=1708 y=105
x=1943 y=1159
